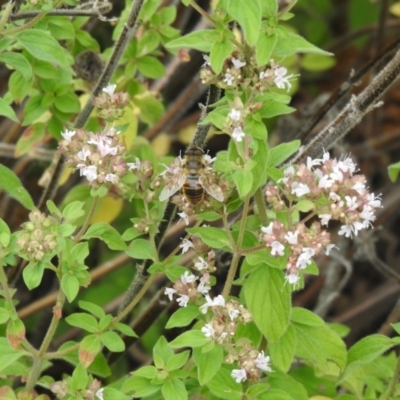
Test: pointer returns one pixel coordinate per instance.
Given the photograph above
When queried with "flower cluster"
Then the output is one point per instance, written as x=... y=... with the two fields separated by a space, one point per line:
x=38 y=239
x=334 y=192
x=187 y=289
x=111 y=105
x=252 y=363
x=98 y=156
x=64 y=389
x=235 y=123
x=227 y=316
x=238 y=73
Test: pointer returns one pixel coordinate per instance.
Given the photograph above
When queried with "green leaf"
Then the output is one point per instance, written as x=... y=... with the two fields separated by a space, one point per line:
x=177 y=361
x=393 y=171
x=162 y=352
x=34 y=109
x=107 y=234
x=140 y=387
x=282 y=352
x=292 y=44
x=191 y=338
x=213 y=237
x=78 y=253
x=90 y=346
x=183 y=316
x=73 y=211
x=43 y=46
x=264 y=47
x=114 y=394
x=224 y=386
x=150 y=67
x=244 y=181
x=317 y=343
x=112 y=341
x=208 y=364
x=84 y=321
x=289 y=385
x=5 y=234
x=367 y=350
x=305 y=205
x=199 y=40
x=70 y=286
x=248 y=14
x=7 y=111
x=18 y=62
x=317 y=62
x=4 y=315
x=18 y=86
x=282 y=152
x=141 y=249
x=80 y=378
x=33 y=274
x=125 y=329
x=68 y=103
x=219 y=52
x=148 y=42
x=174 y=389
x=268 y=299
x=94 y=309
x=273 y=108
x=8 y=356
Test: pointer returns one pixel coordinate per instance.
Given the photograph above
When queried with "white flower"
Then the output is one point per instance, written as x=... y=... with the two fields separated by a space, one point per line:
x=358 y=226
x=111 y=178
x=312 y=162
x=208 y=330
x=291 y=237
x=325 y=218
x=337 y=174
x=292 y=279
x=187 y=277
x=325 y=182
x=347 y=165
x=208 y=159
x=264 y=74
x=183 y=300
x=277 y=248
x=208 y=303
x=329 y=248
x=67 y=135
x=367 y=214
x=281 y=79
x=374 y=201
x=234 y=115
x=103 y=146
x=268 y=229
x=228 y=79
x=219 y=301
x=305 y=257
x=299 y=189
x=351 y=202
x=203 y=288
x=83 y=154
x=238 y=134
x=239 y=375
x=345 y=230
x=262 y=362
x=201 y=264
x=110 y=89
x=233 y=314
x=186 y=245
x=184 y=216
x=135 y=165
x=359 y=187
x=333 y=196
x=90 y=172
x=169 y=292
x=237 y=64
x=206 y=58
x=99 y=394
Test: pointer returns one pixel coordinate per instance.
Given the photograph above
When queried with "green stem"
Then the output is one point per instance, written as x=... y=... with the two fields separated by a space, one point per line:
x=78 y=236
x=38 y=360
x=237 y=252
x=6 y=14
x=202 y=12
x=227 y=229
x=258 y=196
x=61 y=353
x=392 y=386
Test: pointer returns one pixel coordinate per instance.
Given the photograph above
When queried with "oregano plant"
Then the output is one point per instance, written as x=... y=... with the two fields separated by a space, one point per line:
x=221 y=243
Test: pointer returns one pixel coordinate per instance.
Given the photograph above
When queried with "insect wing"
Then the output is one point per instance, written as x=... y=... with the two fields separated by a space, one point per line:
x=209 y=185
x=172 y=186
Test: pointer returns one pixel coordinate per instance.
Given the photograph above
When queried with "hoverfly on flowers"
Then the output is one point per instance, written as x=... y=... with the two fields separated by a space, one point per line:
x=193 y=176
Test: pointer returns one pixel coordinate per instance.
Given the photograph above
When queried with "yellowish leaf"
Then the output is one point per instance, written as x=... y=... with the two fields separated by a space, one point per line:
x=108 y=208
x=395 y=9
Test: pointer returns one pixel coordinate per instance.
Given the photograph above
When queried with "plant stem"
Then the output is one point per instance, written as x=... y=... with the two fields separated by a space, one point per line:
x=258 y=196
x=38 y=360
x=78 y=236
x=202 y=12
x=4 y=18
x=237 y=252
x=392 y=386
